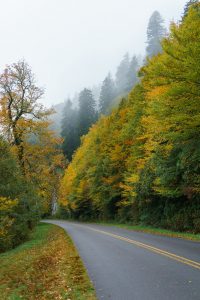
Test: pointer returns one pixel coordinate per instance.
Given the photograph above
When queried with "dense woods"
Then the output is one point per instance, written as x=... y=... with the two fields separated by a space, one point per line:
x=141 y=163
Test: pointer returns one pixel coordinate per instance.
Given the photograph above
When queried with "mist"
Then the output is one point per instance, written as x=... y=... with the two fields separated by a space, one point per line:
x=74 y=44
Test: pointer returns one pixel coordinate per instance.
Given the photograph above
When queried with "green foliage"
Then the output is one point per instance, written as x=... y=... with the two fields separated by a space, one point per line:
x=188 y=5
x=19 y=209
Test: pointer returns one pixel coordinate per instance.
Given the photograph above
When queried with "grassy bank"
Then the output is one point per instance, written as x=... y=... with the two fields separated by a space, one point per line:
x=154 y=230
x=46 y=267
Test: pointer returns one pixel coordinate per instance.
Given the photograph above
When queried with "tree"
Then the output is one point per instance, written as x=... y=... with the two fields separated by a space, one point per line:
x=69 y=132
x=155 y=33
x=188 y=5
x=25 y=125
x=87 y=113
x=20 y=112
x=121 y=80
x=132 y=77
x=107 y=94
x=96 y=89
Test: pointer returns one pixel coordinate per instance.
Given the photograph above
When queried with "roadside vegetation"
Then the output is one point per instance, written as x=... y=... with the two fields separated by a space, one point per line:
x=31 y=162
x=46 y=267
x=154 y=230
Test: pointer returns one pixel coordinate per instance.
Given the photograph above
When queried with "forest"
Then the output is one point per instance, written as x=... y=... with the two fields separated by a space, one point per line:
x=141 y=163
x=133 y=156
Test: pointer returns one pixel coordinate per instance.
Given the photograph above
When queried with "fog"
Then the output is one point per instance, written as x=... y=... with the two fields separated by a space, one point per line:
x=72 y=44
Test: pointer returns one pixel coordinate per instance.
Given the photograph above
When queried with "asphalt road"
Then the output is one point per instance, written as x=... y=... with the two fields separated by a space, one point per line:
x=128 y=265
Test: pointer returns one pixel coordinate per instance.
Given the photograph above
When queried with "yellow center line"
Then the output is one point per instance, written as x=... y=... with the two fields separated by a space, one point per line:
x=173 y=256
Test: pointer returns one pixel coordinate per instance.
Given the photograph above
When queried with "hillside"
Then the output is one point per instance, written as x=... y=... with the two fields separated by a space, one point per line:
x=141 y=164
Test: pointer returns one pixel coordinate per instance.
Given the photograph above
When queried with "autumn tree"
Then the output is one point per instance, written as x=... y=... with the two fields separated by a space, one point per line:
x=26 y=128
x=188 y=5
x=20 y=111
x=171 y=123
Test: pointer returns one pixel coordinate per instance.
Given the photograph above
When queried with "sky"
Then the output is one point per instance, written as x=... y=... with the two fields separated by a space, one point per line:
x=72 y=44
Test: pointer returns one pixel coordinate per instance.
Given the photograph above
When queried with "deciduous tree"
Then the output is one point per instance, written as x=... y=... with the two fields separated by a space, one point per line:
x=20 y=111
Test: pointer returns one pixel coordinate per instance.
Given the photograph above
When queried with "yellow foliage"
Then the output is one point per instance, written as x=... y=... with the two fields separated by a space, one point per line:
x=134 y=178
x=7 y=204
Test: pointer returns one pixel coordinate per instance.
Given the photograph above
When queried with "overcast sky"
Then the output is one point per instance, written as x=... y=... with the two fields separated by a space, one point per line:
x=71 y=44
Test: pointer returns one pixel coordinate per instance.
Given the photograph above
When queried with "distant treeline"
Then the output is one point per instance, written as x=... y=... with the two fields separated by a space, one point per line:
x=141 y=163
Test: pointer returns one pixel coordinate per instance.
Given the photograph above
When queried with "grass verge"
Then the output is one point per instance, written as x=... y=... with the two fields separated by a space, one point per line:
x=154 y=230
x=46 y=267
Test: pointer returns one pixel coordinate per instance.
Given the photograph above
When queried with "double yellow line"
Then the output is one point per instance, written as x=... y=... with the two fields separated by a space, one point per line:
x=178 y=258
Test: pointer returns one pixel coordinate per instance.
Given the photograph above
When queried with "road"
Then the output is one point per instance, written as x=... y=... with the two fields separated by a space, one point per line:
x=129 y=265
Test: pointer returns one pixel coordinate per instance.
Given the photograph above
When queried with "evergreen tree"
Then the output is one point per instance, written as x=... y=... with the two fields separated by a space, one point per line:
x=107 y=94
x=96 y=89
x=87 y=112
x=121 y=80
x=155 y=33
x=132 y=77
x=69 y=132
x=188 y=5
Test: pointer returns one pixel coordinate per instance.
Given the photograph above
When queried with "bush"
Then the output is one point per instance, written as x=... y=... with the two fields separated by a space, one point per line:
x=19 y=211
